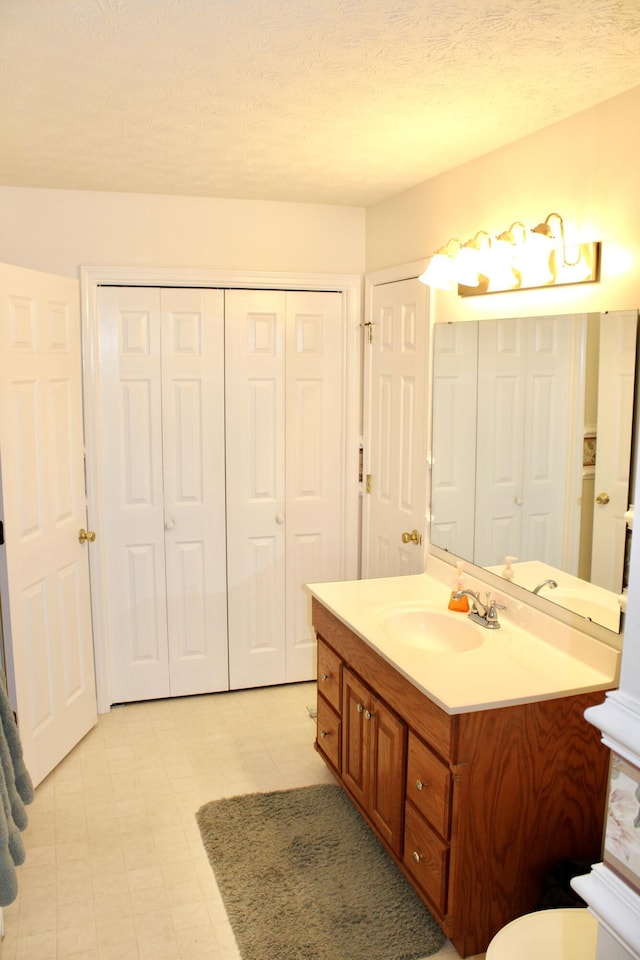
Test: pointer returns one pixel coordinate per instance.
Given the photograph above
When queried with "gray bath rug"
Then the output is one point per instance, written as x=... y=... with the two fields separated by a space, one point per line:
x=303 y=877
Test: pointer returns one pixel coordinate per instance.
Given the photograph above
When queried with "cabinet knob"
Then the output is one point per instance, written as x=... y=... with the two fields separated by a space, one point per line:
x=324 y=733
x=416 y=856
x=169 y=524
x=419 y=784
x=324 y=677
x=360 y=708
x=368 y=715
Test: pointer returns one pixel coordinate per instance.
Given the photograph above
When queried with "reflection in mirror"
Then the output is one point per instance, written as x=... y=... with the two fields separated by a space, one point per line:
x=531 y=456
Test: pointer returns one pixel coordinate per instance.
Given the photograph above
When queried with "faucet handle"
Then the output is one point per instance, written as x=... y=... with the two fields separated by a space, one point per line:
x=493 y=607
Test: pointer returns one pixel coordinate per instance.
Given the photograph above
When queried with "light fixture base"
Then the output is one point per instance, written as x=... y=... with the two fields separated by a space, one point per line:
x=583 y=266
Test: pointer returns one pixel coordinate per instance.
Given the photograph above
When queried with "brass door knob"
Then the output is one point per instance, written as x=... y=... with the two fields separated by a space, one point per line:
x=603 y=498
x=85 y=536
x=413 y=537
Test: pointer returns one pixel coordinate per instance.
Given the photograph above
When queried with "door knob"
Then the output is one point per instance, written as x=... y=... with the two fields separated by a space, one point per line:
x=169 y=524
x=413 y=537
x=85 y=536
x=603 y=498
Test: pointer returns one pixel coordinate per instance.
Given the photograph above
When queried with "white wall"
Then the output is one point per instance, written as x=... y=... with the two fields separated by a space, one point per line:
x=585 y=168
x=59 y=230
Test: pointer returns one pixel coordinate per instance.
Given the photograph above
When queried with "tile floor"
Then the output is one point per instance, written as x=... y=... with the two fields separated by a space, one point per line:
x=115 y=869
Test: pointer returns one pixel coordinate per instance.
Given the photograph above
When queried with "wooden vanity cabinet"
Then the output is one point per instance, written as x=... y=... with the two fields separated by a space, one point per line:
x=475 y=808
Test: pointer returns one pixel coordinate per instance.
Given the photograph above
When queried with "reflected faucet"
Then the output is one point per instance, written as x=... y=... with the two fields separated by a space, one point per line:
x=552 y=584
x=486 y=614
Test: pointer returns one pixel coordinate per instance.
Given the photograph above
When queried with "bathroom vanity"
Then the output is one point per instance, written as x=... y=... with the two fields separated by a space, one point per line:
x=472 y=763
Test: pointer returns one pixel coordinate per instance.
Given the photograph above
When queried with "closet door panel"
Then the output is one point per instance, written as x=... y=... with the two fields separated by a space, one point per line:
x=255 y=458
x=194 y=488
x=314 y=462
x=132 y=484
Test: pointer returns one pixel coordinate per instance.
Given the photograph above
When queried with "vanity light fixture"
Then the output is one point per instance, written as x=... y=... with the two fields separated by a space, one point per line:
x=439 y=273
x=515 y=259
x=470 y=263
x=544 y=232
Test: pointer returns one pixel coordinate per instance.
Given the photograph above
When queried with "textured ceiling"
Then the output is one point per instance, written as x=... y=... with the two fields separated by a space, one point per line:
x=326 y=101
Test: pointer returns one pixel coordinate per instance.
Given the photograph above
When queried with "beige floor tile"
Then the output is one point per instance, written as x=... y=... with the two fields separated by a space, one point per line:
x=115 y=866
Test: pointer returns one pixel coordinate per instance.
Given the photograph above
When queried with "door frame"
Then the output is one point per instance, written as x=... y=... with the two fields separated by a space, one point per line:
x=91 y=277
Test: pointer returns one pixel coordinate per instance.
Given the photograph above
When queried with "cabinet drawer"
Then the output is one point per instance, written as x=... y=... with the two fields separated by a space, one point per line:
x=426 y=857
x=329 y=674
x=329 y=735
x=429 y=785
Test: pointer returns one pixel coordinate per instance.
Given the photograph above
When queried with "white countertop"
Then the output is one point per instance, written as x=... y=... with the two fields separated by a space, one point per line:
x=531 y=657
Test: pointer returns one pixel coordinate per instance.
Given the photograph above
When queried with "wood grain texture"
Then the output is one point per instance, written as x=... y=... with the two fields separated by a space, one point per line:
x=428 y=720
x=515 y=790
x=535 y=785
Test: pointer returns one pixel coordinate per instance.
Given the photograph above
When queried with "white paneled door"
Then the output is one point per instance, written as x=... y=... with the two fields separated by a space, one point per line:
x=45 y=568
x=285 y=407
x=395 y=429
x=522 y=471
x=222 y=459
x=161 y=415
x=617 y=365
x=453 y=441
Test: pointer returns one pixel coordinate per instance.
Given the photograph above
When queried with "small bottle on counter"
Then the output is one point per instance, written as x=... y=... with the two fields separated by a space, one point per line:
x=462 y=604
x=507 y=573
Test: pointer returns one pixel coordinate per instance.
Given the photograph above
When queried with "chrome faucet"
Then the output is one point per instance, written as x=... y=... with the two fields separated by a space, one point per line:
x=485 y=613
x=552 y=584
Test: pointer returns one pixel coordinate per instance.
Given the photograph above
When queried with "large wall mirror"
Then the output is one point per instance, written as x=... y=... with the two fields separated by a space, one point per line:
x=533 y=434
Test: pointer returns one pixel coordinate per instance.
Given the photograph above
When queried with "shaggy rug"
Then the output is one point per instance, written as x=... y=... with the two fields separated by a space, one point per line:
x=303 y=877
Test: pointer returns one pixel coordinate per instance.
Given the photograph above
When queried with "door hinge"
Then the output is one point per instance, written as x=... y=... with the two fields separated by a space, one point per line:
x=368 y=325
x=1 y=532
x=367 y=483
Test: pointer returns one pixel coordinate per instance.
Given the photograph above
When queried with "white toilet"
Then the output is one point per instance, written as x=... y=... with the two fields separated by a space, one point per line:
x=565 y=934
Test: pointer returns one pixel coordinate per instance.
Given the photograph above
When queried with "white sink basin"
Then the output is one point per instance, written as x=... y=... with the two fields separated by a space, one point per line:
x=426 y=627
x=586 y=606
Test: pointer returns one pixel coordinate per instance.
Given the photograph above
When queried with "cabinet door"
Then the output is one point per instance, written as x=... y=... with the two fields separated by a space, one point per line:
x=373 y=758
x=356 y=699
x=386 y=735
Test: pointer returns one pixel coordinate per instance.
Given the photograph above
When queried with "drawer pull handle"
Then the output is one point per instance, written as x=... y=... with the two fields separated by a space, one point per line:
x=419 y=785
x=324 y=677
x=416 y=856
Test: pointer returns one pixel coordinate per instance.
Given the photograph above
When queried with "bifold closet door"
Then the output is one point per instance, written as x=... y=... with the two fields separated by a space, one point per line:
x=285 y=475
x=161 y=402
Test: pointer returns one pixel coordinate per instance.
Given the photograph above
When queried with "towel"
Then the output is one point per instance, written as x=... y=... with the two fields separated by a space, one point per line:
x=16 y=791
